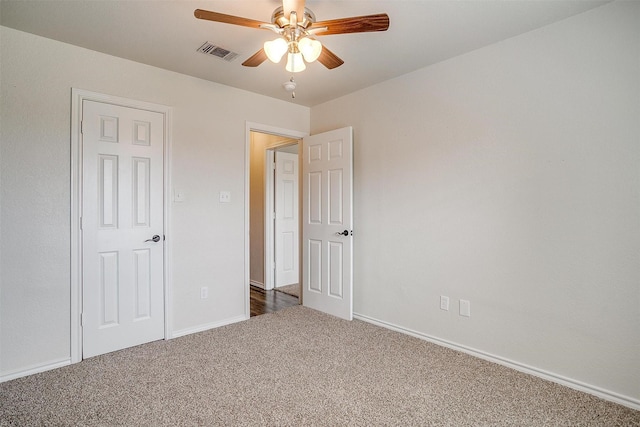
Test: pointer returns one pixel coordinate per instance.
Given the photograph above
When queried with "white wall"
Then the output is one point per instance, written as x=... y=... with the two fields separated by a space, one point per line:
x=509 y=176
x=208 y=155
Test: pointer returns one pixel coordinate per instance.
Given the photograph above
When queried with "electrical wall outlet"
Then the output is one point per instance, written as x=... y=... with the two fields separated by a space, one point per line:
x=444 y=303
x=465 y=308
x=204 y=292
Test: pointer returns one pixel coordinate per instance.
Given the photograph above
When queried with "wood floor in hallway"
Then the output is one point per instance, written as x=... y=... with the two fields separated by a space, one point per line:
x=262 y=301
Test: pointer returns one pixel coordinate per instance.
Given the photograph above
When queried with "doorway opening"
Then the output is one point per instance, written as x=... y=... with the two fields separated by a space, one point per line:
x=325 y=209
x=274 y=226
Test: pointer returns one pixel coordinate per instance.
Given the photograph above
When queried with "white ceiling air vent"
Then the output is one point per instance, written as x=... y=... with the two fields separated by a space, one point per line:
x=209 y=48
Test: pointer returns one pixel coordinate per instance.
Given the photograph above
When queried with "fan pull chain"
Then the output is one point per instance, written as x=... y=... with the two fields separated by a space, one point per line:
x=290 y=86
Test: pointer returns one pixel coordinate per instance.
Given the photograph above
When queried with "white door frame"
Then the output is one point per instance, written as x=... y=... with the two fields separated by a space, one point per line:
x=77 y=96
x=262 y=128
x=269 y=205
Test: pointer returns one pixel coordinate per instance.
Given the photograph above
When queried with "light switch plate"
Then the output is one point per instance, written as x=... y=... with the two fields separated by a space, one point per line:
x=225 y=196
x=178 y=195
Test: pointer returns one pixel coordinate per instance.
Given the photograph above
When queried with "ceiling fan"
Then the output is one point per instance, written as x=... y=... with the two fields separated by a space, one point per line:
x=297 y=28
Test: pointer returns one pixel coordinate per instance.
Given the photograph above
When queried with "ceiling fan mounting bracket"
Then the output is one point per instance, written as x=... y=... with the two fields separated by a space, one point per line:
x=278 y=18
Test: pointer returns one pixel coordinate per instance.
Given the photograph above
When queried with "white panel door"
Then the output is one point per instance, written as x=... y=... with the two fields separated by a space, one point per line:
x=122 y=211
x=286 y=222
x=327 y=215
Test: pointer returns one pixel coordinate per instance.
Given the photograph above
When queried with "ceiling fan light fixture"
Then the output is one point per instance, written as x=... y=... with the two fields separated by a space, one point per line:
x=276 y=49
x=295 y=24
x=295 y=63
x=309 y=48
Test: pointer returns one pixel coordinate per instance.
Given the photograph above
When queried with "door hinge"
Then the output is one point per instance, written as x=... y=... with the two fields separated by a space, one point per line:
x=80 y=223
x=81 y=319
x=81 y=126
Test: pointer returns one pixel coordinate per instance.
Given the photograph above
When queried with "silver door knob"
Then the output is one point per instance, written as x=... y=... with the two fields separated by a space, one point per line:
x=155 y=238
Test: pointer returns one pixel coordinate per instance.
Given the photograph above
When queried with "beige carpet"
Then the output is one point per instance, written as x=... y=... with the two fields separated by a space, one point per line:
x=297 y=367
x=290 y=290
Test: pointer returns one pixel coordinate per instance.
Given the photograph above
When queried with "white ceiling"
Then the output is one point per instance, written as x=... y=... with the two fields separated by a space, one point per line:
x=165 y=34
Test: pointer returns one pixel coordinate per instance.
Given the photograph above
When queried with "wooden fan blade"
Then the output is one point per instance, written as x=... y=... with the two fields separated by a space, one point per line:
x=227 y=19
x=258 y=58
x=329 y=59
x=356 y=24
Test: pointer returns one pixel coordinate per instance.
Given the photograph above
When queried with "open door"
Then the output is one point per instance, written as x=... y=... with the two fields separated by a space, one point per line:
x=327 y=218
x=286 y=232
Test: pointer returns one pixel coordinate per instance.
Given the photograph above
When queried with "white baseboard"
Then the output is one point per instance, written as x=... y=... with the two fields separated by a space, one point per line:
x=54 y=364
x=627 y=401
x=35 y=369
x=207 y=326
x=257 y=284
